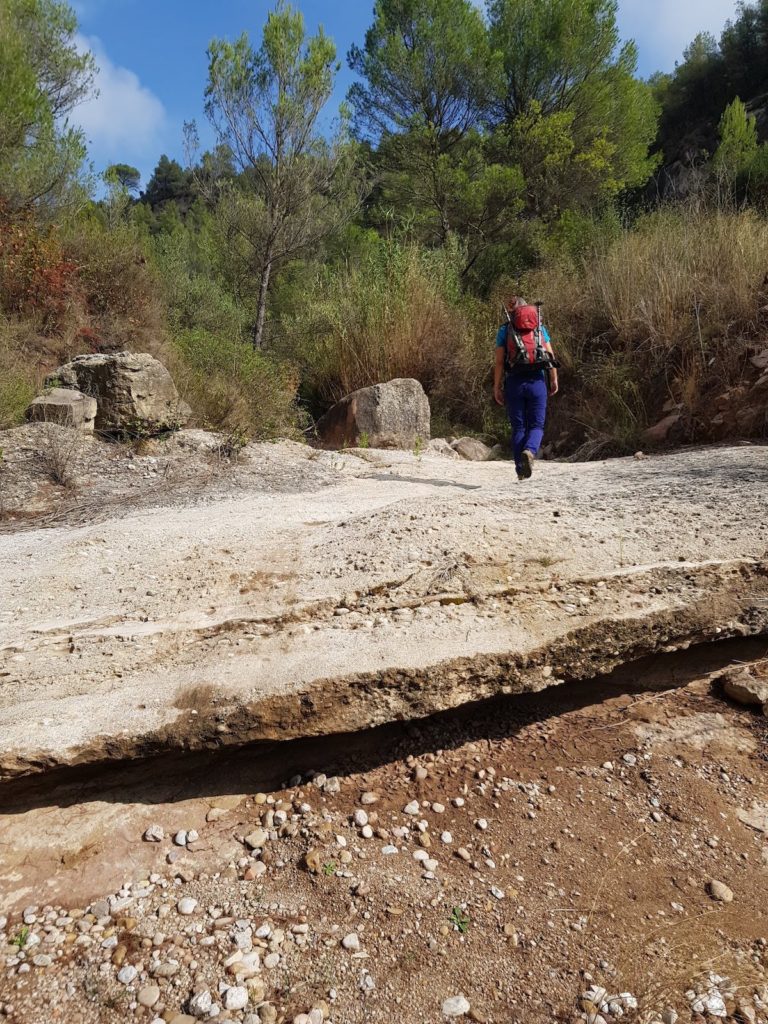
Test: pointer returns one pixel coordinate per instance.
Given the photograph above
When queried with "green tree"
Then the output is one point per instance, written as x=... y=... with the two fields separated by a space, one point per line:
x=127 y=176
x=295 y=186
x=426 y=70
x=577 y=116
x=168 y=182
x=43 y=77
x=551 y=50
x=738 y=142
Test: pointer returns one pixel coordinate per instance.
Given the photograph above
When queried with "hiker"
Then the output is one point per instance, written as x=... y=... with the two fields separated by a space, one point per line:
x=524 y=374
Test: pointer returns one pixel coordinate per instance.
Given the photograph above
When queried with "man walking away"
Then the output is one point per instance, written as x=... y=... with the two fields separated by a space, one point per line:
x=525 y=372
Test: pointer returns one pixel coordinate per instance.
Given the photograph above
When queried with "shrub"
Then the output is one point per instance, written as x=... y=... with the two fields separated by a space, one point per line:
x=666 y=312
x=398 y=312
x=18 y=374
x=123 y=297
x=233 y=387
x=37 y=279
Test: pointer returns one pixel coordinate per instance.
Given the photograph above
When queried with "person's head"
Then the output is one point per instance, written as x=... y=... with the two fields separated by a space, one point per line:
x=514 y=302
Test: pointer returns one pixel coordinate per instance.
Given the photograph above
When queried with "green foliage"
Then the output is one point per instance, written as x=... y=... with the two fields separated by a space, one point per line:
x=577 y=117
x=42 y=78
x=17 y=376
x=738 y=141
x=552 y=50
x=124 y=175
x=710 y=76
x=234 y=387
x=400 y=312
x=426 y=68
x=427 y=71
x=296 y=186
x=168 y=183
x=460 y=920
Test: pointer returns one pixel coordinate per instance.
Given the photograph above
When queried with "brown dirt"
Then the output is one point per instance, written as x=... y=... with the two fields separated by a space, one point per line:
x=590 y=881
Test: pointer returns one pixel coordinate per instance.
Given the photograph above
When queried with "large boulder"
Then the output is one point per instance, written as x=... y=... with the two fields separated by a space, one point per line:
x=65 y=407
x=392 y=415
x=471 y=449
x=134 y=392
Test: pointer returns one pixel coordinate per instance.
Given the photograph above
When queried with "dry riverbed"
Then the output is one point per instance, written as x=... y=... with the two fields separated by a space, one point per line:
x=510 y=862
x=373 y=737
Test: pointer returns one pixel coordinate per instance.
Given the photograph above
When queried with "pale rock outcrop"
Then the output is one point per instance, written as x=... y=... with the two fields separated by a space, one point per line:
x=391 y=415
x=439 y=446
x=748 y=685
x=134 y=391
x=65 y=407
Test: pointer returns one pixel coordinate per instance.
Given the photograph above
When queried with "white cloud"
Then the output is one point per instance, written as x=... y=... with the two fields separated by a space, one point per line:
x=126 y=121
x=663 y=28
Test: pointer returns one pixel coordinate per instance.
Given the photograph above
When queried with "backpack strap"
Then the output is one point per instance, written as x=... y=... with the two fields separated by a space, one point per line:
x=522 y=355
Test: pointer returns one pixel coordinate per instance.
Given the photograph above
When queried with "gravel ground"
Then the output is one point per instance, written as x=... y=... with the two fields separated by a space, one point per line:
x=530 y=860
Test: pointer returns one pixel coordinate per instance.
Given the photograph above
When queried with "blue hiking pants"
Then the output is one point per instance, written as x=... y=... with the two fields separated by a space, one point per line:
x=526 y=401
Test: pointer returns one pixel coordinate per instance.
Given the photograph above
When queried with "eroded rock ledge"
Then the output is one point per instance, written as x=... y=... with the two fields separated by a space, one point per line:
x=410 y=586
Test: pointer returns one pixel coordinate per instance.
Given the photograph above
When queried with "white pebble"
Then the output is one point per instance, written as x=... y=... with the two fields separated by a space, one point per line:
x=456 y=1006
x=236 y=998
x=186 y=906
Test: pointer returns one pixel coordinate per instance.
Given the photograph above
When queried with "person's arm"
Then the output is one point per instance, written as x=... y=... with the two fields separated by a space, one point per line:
x=498 y=375
x=554 y=384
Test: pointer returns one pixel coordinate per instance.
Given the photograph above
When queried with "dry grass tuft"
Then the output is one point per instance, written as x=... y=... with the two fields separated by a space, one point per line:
x=60 y=454
x=669 y=312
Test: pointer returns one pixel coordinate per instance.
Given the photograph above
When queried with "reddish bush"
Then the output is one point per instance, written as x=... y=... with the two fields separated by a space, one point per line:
x=36 y=277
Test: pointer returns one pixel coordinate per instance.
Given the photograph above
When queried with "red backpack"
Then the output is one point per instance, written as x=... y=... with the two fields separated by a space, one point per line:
x=525 y=340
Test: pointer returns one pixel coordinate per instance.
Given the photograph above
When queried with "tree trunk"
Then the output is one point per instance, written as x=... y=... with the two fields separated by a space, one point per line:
x=258 y=333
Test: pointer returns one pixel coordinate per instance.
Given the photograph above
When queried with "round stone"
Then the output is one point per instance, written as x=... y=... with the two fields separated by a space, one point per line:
x=720 y=892
x=456 y=1006
x=236 y=998
x=256 y=839
x=127 y=974
x=186 y=906
x=351 y=942
x=148 y=995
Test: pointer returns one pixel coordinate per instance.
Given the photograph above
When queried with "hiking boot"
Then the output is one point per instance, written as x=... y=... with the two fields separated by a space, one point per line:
x=528 y=460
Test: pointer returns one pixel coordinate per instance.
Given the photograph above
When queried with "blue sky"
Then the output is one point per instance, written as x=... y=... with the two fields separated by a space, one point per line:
x=151 y=55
